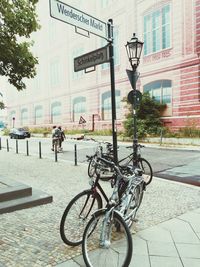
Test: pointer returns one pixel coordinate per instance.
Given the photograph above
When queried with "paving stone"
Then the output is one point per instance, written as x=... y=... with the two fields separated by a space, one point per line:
x=191 y=262
x=189 y=250
x=158 y=261
x=162 y=249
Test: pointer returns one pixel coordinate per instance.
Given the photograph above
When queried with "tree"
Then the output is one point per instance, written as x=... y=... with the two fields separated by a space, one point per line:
x=148 y=117
x=18 y=20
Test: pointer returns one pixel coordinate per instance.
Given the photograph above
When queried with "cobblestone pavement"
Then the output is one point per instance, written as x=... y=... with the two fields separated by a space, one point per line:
x=30 y=237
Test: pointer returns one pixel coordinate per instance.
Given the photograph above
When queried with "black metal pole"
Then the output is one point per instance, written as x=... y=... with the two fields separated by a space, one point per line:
x=0 y=143
x=112 y=78
x=56 y=152
x=7 y=145
x=16 y=146
x=135 y=138
x=27 y=148
x=40 y=150
x=75 y=155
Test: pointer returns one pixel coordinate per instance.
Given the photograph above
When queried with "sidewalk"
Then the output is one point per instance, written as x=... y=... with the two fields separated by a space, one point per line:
x=173 y=243
x=167 y=231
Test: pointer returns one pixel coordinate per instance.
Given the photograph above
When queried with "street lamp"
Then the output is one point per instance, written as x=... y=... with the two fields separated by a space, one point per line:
x=134 y=50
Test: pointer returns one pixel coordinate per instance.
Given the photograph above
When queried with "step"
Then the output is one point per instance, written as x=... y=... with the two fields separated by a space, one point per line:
x=11 y=193
x=37 y=198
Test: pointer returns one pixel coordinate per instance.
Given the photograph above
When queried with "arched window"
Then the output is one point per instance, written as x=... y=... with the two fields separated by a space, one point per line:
x=38 y=114
x=107 y=107
x=161 y=90
x=55 y=112
x=79 y=107
x=24 y=117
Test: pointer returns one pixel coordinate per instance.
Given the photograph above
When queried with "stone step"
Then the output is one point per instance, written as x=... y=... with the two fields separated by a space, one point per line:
x=14 y=192
x=37 y=198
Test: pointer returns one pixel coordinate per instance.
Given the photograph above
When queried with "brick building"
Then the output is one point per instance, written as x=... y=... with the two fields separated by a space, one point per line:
x=169 y=67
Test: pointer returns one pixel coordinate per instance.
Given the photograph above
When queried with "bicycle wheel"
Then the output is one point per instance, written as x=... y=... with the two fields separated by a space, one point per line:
x=91 y=167
x=102 y=242
x=145 y=166
x=76 y=216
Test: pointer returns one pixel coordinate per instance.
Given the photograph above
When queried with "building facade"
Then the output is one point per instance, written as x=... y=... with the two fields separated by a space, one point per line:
x=169 y=67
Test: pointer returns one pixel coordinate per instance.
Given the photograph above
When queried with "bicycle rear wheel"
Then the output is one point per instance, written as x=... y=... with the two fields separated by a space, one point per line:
x=91 y=167
x=102 y=242
x=76 y=215
x=145 y=166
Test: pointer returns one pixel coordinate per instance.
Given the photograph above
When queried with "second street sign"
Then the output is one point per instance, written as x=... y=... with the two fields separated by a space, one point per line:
x=91 y=59
x=73 y=16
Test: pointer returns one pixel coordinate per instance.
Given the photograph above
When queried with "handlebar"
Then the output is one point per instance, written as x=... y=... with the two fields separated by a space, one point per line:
x=138 y=145
x=116 y=168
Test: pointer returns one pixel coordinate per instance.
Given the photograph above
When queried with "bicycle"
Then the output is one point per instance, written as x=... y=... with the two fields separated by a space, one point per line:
x=141 y=163
x=106 y=173
x=107 y=227
x=78 y=210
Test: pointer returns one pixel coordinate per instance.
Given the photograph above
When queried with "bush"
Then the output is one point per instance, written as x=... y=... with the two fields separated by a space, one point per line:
x=148 y=118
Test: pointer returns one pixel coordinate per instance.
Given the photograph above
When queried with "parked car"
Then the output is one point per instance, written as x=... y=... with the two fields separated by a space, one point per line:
x=19 y=133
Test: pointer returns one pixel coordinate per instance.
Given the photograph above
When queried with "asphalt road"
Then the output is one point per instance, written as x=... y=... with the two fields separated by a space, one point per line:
x=174 y=164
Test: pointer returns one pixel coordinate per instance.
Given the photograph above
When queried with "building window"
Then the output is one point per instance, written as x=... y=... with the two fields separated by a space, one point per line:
x=55 y=112
x=107 y=106
x=24 y=117
x=161 y=90
x=79 y=108
x=38 y=115
x=157 y=30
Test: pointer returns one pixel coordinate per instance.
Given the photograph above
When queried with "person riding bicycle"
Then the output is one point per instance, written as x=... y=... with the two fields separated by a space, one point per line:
x=56 y=135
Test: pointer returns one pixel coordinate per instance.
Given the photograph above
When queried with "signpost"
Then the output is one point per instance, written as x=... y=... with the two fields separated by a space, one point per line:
x=91 y=59
x=77 y=18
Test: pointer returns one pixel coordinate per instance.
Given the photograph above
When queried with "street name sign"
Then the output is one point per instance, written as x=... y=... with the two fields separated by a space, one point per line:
x=73 y=16
x=91 y=59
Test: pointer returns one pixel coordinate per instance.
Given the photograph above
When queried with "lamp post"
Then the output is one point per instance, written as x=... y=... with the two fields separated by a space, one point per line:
x=134 y=50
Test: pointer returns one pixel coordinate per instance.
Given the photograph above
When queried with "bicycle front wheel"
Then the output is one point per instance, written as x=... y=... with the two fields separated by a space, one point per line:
x=107 y=244
x=145 y=166
x=76 y=215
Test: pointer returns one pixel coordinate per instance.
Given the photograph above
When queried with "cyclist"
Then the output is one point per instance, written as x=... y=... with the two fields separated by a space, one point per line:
x=56 y=135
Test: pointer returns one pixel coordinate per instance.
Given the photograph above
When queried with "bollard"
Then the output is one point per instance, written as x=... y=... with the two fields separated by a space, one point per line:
x=0 y=143
x=7 y=145
x=27 y=148
x=56 y=152
x=16 y=146
x=161 y=136
x=75 y=155
x=40 y=150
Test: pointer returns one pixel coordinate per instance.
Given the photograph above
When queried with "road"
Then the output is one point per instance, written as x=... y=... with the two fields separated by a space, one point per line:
x=174 y=164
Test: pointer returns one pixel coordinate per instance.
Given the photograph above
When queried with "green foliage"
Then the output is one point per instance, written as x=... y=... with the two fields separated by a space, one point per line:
x=18 y=19
x=148 y=117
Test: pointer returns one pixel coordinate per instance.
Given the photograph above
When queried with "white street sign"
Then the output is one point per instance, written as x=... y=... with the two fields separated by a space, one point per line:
x=73 y=16
x=91 y=59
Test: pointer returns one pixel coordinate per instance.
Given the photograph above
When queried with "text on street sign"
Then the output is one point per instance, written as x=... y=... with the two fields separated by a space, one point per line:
x=91 y=59
x=73 y=16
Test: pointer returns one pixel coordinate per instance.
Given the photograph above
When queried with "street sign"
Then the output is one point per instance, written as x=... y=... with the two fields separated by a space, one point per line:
x=82 y=120
x=73 y=16
x=91 y=59
x=133 y=77
x=131 y=97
